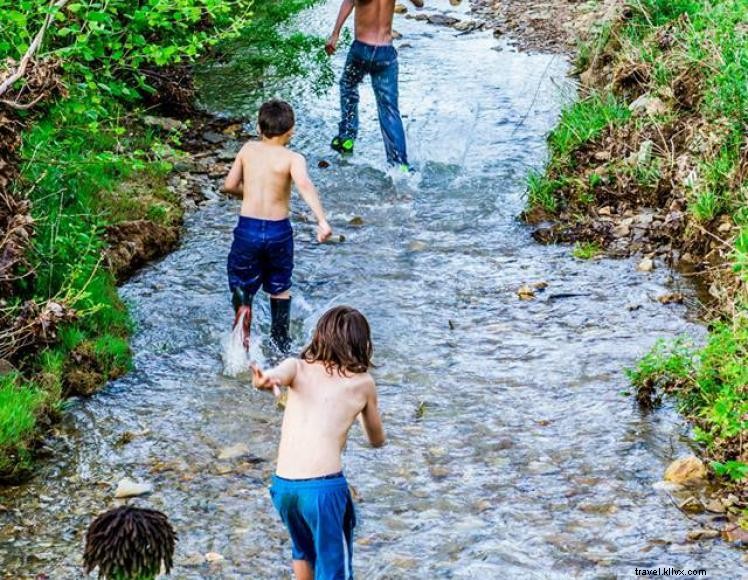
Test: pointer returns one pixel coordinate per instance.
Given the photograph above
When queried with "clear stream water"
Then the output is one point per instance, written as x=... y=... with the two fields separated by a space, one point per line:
x=512 y=452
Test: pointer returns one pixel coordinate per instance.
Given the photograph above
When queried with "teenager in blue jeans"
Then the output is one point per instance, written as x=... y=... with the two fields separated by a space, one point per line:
x=371 y=54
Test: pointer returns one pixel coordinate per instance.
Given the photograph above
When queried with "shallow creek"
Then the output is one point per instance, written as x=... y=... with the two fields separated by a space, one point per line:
x=512 y=451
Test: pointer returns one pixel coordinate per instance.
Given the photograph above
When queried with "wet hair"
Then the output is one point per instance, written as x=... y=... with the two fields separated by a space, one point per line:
x=342 y=341
x=276 y=118
x=129 y=542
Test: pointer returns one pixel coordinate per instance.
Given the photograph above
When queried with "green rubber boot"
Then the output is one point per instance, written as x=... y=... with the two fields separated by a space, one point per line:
x=343 y=146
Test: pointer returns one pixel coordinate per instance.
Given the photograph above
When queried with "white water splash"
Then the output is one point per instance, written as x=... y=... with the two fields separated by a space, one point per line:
x=235 y=358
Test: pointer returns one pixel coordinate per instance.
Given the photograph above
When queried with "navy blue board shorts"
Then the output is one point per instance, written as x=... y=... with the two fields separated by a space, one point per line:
x=320 y=518
x=261 y=255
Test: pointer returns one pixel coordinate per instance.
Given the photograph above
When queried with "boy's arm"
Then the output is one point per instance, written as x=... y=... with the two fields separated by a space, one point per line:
x=282 y=375
x=345 y=11
x=234 y=183
x=371 y=420
x=308 y=192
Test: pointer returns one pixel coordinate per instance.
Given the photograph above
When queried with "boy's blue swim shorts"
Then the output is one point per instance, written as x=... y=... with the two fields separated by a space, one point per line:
x=320 y=518
x=261 y=255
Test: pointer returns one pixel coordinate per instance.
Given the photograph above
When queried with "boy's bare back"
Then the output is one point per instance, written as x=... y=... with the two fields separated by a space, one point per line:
x=266 y=172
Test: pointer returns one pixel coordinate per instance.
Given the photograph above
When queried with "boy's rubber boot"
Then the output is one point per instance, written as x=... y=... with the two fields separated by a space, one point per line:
x=280 y=313
x=341 y=145
x=242 y=306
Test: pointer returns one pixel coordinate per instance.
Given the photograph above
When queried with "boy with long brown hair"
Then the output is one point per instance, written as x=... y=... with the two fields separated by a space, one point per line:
x=329 y=386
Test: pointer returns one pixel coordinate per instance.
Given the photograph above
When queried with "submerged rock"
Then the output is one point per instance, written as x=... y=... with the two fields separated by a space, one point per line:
x=646 y=265
x=129 y=488
x=686 y=470
x=233 y=451
x=705 y=534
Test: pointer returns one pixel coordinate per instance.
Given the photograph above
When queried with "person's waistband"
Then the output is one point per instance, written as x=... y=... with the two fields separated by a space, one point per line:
x=367 y=45
x=331 y=480
x=257 y=224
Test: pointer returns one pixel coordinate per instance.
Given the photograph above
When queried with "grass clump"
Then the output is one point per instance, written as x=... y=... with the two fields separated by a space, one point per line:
x=19 y=407
x=586 y=250
x=709 y=385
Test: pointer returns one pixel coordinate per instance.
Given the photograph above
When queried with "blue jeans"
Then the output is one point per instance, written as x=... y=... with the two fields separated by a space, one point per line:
x=261 y=255
x=380 y=62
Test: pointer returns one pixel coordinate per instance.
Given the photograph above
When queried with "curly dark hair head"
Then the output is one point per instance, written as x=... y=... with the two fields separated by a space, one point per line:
x=128 y=543
x=342 y=341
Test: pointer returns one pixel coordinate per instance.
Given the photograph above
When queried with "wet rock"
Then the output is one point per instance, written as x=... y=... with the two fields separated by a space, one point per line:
x=192 y=561
x=691 y=505
x=540 y=285
x=672 y=298
x=621 y=231
x=323 y=164
x=400 y=8
x=417 y=246
x=734 y=533
x=356 y=221
x=165 y=123
x=526 y=292
x=233 y=451
x=646 y=265
x=417 y=3
x=541 y=468
x=715 y=506
x=482 y=505
x=455 y=2
x=438 y=471
x=211 y=557
x=705 y=534
x=466 y=25
x=442 y=20
x=213 y=137
x=129 y=488
x=686 y=470
x=233 y=130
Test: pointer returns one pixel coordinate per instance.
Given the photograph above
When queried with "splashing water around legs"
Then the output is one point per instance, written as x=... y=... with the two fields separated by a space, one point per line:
x=236 y=344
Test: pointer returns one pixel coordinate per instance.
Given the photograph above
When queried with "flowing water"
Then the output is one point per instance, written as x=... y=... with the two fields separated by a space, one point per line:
x=512 y=451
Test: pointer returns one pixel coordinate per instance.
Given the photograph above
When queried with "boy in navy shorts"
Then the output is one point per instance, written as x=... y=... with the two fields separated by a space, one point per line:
x=329 y=386
x=262 y=252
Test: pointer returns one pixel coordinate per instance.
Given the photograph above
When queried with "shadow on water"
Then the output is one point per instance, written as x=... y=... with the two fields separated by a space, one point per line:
x=512 y=452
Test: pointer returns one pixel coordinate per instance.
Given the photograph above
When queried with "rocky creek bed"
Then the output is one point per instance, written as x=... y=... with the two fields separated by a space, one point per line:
x=512 y=449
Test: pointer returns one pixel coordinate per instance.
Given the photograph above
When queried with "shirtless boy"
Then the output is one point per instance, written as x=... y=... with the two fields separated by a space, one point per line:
x=329 y=387
x=262 y=252
x=372 y=53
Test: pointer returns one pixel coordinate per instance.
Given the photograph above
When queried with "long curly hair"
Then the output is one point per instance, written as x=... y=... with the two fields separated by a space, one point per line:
x=129 y=543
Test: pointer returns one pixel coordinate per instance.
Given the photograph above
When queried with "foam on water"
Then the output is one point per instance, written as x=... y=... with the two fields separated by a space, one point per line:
x=235 y=358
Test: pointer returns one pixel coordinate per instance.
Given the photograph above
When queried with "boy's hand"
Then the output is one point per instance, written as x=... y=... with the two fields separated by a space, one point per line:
x=261 y=381
x=331 y=45
x=324 y=231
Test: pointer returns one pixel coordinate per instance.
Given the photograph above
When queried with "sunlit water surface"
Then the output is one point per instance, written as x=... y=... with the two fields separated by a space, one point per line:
x=512 y=451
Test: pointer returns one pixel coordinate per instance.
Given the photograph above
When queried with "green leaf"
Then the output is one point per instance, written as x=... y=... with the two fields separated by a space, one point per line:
x=18 y=18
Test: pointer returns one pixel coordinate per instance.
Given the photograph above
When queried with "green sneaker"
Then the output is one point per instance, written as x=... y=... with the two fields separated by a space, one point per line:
x=405 y=168
x=342 y=145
